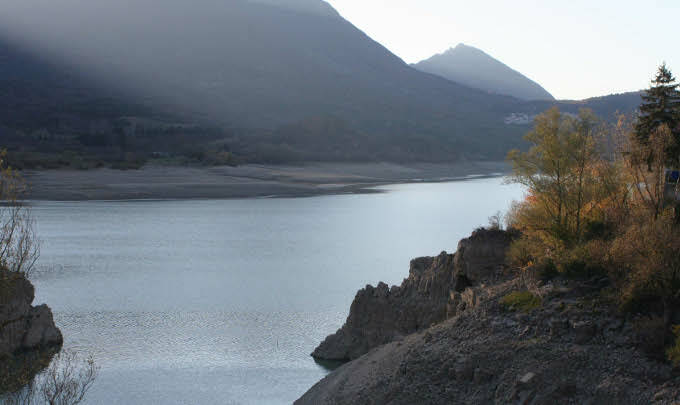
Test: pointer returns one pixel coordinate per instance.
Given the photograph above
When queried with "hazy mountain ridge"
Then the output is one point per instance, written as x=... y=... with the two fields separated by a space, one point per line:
x=256 y=65
x=247 y=62
x=300 y=86
x=473 y=67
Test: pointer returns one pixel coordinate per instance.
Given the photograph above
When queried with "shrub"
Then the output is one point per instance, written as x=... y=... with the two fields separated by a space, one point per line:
x=523 y=252
x=598 y=230
x=19 y=243
x=521 y=301
x=582 y=261
x=647 y=264
x=673 y=352
x=65 y=381
x=496 y=221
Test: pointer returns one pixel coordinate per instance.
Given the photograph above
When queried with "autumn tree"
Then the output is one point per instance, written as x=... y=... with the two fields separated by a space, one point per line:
x=646 y=264
x=560 y=172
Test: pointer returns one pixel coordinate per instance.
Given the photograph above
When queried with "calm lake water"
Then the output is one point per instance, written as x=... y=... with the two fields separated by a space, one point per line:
x=221 y=301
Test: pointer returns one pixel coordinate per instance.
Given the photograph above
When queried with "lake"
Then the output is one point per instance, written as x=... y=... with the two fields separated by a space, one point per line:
x=222 y=301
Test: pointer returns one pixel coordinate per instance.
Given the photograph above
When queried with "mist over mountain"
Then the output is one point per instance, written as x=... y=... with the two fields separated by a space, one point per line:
x=245 y=62
x=292 y=80
x=472 y=67
x=258 y=65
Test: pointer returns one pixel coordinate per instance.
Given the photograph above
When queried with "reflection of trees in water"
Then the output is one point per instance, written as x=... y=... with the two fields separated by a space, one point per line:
x=48 y=377
x=19 y=369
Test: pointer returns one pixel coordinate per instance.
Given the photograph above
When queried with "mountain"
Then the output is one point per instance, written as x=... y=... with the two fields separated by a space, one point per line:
x=51 y=116
x=264 y=64
x=607 y=106
x=305 y=6
x=265 y=80
x=472 y=67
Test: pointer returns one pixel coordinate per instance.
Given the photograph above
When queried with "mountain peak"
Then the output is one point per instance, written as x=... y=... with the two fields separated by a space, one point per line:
x=473 y=67
x=460 y=47
x=317 y=7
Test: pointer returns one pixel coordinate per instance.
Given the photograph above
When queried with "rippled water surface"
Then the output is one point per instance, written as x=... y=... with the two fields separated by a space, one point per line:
x=221 y=301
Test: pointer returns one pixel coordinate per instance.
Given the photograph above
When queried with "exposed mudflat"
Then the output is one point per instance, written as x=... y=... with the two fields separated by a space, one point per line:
x=173 y=182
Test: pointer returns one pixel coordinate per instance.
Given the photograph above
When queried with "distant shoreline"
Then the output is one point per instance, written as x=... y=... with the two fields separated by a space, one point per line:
x=248 y=181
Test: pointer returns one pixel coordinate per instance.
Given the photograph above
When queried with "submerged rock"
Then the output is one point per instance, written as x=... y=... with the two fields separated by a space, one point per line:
x=431 y=294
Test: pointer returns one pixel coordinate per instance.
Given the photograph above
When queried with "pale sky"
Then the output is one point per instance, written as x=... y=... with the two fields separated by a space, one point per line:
x=575 y=48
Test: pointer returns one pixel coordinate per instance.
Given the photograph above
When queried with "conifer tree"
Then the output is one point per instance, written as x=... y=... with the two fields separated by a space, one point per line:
x=661 y=105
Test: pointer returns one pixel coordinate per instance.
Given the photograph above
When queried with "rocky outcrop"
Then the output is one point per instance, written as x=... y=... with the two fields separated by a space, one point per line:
x=434 y=291
x=572 y=349
x=23 y=327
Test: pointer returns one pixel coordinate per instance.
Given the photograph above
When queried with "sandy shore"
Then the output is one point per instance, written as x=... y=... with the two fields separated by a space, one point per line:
x=170 y=182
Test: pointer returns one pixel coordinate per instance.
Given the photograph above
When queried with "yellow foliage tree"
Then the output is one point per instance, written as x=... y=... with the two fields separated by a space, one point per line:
x=567 y=179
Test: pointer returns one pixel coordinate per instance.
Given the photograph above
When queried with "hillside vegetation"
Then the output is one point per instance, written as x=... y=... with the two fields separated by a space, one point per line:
x=602 y=202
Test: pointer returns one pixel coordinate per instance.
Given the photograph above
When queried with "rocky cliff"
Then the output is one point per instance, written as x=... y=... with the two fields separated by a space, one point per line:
x=23 y=327
x=571 y=346
x=567 y=351
x=434 y=291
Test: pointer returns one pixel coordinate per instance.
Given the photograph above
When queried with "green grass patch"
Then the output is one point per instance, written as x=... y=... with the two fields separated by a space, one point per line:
x=521 y=301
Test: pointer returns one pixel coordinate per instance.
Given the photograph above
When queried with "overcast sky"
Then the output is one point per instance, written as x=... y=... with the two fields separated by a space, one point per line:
x=575 y=49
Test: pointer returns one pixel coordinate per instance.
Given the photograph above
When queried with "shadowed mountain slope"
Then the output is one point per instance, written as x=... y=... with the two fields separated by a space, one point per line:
x=256 y=64
x=295 y=80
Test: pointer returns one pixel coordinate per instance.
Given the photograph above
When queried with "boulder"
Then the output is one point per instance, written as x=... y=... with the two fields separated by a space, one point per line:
x=23 y=327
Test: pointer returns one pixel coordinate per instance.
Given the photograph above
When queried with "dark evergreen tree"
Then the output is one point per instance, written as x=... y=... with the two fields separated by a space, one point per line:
x=661 y=105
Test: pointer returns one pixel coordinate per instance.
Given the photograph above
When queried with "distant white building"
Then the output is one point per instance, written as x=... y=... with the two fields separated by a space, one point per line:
x=518 y=119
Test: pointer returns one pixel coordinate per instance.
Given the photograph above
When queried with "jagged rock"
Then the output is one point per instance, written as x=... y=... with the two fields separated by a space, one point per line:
x=24 y=327
x=575 y=348
x=480 y=356
x=481 y=257
x=436 y=289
